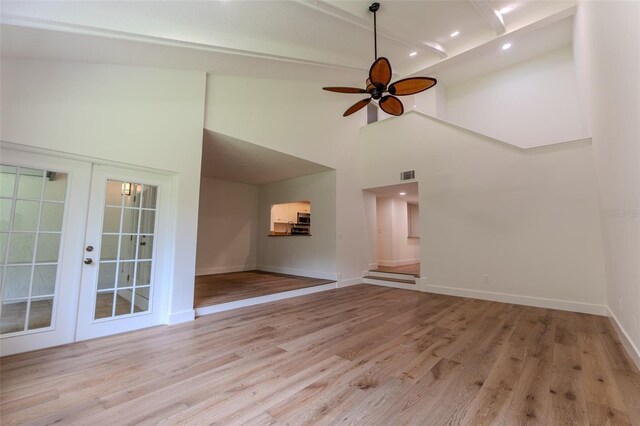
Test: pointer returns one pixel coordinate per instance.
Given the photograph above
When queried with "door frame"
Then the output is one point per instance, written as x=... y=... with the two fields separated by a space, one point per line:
x=87 y=326
x=76 y=239
x=63 y=321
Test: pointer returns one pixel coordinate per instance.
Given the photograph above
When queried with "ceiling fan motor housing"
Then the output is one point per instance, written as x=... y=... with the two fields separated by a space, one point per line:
x=375 y=89
x=378 y=82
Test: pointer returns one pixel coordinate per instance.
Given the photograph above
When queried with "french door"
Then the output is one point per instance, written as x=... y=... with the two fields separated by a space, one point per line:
x=125 y=253
x=83 y=249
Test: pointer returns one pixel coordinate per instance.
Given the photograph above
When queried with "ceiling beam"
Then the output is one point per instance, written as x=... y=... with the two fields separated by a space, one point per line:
x=490 y=15
x=48 y=25
x=333 y=11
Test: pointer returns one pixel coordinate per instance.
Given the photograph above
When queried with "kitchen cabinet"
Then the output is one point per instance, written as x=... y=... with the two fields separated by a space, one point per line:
x=284 y=216
x=280 y=213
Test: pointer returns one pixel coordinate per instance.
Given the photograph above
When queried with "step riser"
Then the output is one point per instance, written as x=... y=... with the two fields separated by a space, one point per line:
x=390 y=280
x=407 y=286
x=390 y=275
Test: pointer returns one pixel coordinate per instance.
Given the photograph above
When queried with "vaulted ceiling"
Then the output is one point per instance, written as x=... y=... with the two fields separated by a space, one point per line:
x=330 y=41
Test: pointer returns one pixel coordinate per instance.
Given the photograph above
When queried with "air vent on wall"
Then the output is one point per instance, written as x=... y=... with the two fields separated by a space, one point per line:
x=408 y=175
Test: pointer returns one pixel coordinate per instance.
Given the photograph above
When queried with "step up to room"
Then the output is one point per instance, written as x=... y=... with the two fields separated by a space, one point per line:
x=392 y=275
x=390 y=279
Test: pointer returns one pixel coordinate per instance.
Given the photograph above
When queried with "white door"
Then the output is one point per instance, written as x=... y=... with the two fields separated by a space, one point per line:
x=43 y=203
x=85 y=250
x=127 y=253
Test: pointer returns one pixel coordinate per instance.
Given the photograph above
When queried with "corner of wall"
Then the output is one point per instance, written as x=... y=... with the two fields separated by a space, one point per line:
x=180 y=317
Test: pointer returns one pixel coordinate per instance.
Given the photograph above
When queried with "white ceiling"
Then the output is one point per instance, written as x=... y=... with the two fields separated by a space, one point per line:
x=322 y=40
x=227 y=158
x=327 y=41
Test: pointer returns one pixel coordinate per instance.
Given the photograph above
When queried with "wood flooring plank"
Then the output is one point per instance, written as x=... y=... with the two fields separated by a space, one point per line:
x=604 y=401
x=364 y=355
x=629 y=385
x=228 y=287
x=568 y=401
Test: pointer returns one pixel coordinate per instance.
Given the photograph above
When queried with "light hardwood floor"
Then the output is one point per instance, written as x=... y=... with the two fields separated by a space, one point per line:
x=363 y=354
x=222 y=288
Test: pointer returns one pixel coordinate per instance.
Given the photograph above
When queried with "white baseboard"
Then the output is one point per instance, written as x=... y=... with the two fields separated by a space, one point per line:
x=349 y=282
x=224 y=269
x=632 y=349
x=300 y=272
x=206 y=310
x=563 y=305
x=180 y=317
x=398 y=262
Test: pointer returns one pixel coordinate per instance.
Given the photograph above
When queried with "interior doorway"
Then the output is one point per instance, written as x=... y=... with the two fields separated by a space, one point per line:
x=397 y=229
x=259 y=209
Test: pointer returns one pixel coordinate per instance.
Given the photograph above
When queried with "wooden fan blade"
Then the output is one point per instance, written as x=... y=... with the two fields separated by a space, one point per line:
x=380 y=71
x=391 y=105
x=409 y=86
x=356 y=107
x=344 y=89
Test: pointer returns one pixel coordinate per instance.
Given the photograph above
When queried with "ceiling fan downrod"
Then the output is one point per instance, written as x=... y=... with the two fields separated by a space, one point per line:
x=374 y=8
x=377 y=85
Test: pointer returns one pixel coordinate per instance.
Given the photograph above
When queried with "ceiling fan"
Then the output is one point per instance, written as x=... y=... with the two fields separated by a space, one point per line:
x=378 y=82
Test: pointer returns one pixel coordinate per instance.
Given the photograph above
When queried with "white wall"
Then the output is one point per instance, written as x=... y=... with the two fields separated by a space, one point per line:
x=384 y=229
x=299 y=118
x=312 y=256
x=607 y=38
x=529 y=220
x=433 y=102
x=394 y=248
x=140 y=116
x=227 y=227
x=529 y=104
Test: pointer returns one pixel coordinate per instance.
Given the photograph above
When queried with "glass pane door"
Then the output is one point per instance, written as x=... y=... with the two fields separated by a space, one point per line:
x=126 y=252
x=32 y=206
x=43 y=214
x=125 y=278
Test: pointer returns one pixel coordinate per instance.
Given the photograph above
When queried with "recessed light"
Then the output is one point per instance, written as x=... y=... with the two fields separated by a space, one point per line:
x=506 y=46
x=403 y=193
x=413 y=53
x=507 y=9
x=455 y=34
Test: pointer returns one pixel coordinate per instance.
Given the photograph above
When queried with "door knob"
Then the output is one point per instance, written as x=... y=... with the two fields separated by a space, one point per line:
x=88 y=261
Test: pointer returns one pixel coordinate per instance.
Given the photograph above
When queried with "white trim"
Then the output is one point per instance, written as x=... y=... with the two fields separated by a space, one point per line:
x=394 y=275
x=632 y=349
x=586 y=140
x=82 y=158
x=539 y=302
x=349 y=282
x=373 y=266
x=391 y=284
x=50 y=25
x=300 y=272
x=398 y=262
x=225 y=269
x=180 y=317
x=206 y=310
